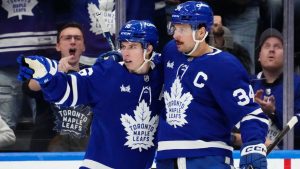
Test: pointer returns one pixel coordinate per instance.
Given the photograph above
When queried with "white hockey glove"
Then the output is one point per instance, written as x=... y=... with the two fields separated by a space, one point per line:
x=37 y=67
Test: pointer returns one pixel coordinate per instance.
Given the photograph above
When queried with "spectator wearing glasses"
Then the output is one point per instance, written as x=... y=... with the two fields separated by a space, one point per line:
x=55 y=129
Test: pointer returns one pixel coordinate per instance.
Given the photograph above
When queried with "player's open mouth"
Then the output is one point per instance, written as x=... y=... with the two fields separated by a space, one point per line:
x=72 y=51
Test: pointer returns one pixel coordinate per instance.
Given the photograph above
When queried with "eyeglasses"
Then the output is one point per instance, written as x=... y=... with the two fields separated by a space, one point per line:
x=70 y=37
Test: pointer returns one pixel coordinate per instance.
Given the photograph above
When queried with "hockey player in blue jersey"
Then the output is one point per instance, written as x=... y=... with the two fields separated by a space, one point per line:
x=207 y=91
x=124 y=97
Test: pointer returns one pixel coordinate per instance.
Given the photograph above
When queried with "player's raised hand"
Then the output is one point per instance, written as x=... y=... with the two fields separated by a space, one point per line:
x=253 y=156
x=65 y=66
x=37 y=67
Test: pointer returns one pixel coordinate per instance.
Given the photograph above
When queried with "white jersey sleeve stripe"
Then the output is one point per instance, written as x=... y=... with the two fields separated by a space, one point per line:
x=91 y=164
x=257 y=111
x=250 y=117
x=74 y=89
x=194 y=144
x=67 y=93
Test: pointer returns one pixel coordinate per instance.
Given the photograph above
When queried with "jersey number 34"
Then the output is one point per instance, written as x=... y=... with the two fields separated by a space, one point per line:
x=243 y=97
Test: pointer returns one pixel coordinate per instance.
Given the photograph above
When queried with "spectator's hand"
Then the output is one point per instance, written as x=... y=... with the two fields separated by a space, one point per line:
x=37 y=67
x=268 y=142
x=253 y=154
x=267 y=104
x=65 y=66
x=114 y=55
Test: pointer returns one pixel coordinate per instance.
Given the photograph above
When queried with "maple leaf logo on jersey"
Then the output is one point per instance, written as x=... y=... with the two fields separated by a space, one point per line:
x=102 y=17
x=125 y=89
x=176 y=104
x=141 y=128
x=19 y=8
x=170 y=64
x=73 y=121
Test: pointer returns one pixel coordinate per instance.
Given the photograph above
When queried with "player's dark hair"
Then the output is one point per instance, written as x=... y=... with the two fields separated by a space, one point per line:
x=202 y=25
x=68 y=25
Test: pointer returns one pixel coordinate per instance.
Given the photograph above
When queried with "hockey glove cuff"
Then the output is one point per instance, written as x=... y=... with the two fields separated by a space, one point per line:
x=253 y=154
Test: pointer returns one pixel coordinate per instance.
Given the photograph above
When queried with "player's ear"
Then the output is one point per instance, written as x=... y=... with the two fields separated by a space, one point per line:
x=149 y=49
x=200 y=33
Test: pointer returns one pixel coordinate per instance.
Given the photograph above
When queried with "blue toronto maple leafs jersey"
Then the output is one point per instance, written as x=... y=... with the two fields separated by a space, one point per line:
x=125 y=112
x=276 y=89
x=205 y=97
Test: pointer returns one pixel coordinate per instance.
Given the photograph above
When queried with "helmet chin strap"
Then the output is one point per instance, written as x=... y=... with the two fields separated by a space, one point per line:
x=197 y=42
x=146 y=61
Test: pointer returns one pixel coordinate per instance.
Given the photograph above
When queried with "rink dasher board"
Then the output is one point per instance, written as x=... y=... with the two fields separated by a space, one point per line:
x=277 y=159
